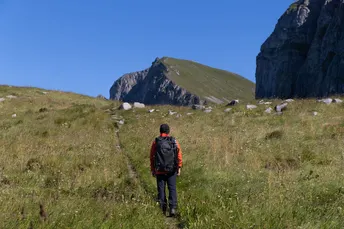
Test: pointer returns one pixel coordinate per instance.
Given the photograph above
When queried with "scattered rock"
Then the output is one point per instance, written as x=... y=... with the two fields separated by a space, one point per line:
x=251 y=107
x=2 y=99
x=11 y=97
x=198 y=107
x=139 y=105
x=14 y=115
x=125 y=106
x=228 y=110
x=151 y=110
x=269 y=110
x=189 y=113
x=337 y=101
x=261 y=102
x=315 y=113
x=120 y=122
x=208 y=110
x=44 y=92
x=179 y=115
x=326 y=101
x=281 y=107
x=172 y=112
x=233 y=102
x=289 y=100
x=268 y=103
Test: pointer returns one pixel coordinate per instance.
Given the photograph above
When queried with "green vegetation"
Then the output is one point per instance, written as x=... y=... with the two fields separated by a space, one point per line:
x=205 y=81
x=242 y=169
x=293 y=7
x=60 y=152
x=248 y=169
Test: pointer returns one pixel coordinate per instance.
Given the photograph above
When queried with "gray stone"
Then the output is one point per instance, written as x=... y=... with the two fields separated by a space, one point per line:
x=281 y=107
x=303 y=57
x=268 y=103
x=233 y=102
x=11 y=97
x=208 y=110
x=139 y=105
x=189 y=113
x=98 y=97
x=2 y=99
x=251 y=107
x=269 y=110
x=151 y=110
x=121 y=122
x=289 y=100
x=14 y=115
x=178 y=115
x=198 y=107
x=125 y=106
x=315 y=113
x=337 y=100
x=228 y=110
x=326 y=101
x=172 y=112
x=44 y=92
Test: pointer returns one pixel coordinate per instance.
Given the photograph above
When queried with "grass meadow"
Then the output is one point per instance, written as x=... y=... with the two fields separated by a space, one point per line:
x=61 y=167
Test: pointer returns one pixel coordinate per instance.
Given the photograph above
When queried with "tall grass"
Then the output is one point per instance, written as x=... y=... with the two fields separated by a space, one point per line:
x=248 y=169
x=59 y=152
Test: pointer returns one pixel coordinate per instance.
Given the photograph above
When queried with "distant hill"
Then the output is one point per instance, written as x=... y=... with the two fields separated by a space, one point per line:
x=181 y=82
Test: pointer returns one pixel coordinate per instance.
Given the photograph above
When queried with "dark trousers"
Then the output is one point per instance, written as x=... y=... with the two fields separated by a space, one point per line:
x=171 y=181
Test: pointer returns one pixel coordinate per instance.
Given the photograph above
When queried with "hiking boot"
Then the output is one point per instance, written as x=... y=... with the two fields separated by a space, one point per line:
x=173 y=212
x=164 y=209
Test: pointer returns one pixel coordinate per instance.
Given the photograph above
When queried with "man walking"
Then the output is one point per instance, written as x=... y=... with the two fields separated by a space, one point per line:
x=166 y=163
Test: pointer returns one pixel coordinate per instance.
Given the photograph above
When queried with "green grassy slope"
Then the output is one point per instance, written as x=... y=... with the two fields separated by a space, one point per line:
x=60 y=152
x=248 y=169
x=242 y=169
x=205 y=81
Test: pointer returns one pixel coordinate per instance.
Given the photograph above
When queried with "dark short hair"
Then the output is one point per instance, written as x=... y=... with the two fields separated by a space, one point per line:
x=164 y=128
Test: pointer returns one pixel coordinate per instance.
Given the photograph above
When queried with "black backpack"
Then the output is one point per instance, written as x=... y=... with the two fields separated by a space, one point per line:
x=166 y=159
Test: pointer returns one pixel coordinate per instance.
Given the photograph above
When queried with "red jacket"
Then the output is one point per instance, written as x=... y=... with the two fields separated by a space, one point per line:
x=152 y=155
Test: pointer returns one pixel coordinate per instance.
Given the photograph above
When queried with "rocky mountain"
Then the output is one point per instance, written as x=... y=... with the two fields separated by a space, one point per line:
x=304 y=55
x=180 y=82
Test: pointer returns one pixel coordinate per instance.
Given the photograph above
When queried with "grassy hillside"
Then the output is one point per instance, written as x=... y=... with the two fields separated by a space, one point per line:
x=242 y=169
x=60 y=151
x=208 y=82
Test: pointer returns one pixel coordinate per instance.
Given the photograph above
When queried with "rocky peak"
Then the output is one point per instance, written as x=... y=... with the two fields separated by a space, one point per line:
x=303 y=56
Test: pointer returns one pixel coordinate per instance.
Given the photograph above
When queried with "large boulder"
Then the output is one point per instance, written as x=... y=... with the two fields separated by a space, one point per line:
x=281 y=107
x=139 y=105
x=125 y=106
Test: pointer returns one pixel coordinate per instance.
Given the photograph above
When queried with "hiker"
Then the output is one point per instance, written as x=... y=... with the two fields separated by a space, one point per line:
x=166 y=163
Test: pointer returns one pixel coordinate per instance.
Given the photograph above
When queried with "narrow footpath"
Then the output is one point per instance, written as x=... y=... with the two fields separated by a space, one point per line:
x=170 y=222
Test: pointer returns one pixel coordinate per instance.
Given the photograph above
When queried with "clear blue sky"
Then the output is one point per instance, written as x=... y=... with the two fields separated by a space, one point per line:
x=85 y=45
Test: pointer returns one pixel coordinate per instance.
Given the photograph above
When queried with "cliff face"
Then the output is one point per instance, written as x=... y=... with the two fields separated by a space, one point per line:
x=152 y=86
x=304 y=55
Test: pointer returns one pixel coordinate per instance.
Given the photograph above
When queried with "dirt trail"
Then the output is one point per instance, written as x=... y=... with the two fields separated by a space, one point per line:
x=170 y=222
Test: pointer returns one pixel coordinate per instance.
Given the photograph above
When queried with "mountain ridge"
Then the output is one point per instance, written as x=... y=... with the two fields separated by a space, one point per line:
x=180 y=82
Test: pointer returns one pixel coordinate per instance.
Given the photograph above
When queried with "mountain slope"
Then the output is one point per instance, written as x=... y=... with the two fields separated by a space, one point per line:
x=181 y=82
x=303 y=56
x=242 y=169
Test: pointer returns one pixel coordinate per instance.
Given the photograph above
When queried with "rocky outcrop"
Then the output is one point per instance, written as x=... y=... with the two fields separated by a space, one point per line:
x=304 y=56
x=152 y=86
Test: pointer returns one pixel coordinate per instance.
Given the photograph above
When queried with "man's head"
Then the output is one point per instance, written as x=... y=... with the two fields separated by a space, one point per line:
x=164 y=129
